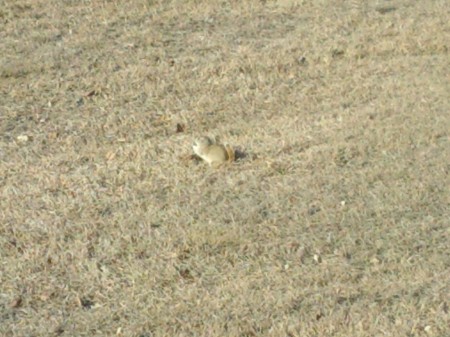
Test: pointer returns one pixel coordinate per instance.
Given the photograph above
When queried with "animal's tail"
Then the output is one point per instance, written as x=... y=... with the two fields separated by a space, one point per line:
x=230 y=153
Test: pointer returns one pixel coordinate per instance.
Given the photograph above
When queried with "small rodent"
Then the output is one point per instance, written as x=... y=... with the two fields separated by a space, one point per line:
x=214 y=154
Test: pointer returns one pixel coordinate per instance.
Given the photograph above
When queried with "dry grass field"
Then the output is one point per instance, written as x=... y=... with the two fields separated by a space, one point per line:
x=334 y=220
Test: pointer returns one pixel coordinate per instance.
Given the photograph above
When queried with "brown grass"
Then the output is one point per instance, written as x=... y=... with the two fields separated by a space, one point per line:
x=334 y=221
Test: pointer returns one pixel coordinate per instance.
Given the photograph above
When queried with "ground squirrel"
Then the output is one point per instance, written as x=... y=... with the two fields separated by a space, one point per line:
x=214 y=154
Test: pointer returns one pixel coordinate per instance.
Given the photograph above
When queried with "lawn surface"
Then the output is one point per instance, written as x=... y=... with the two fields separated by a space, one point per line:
x=334 y=220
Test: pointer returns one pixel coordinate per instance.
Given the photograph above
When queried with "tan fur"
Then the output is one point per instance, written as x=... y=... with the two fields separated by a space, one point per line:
x=214 y=154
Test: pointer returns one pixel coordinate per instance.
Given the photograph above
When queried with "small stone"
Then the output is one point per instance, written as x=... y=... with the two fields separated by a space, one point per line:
x=23 y=138
x=375 y=261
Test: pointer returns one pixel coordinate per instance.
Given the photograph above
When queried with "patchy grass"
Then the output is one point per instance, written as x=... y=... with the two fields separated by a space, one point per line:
x=334 y=222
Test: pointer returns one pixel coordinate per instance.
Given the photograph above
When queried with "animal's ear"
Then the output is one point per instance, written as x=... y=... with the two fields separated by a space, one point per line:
x=197 y=140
